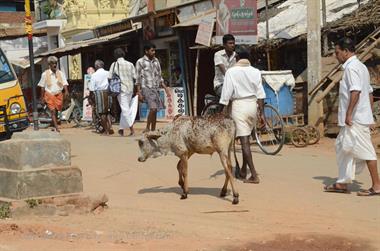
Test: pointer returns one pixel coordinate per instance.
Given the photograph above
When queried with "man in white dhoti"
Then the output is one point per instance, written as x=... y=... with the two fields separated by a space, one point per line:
x=354 y=148
x=127 y=73
x=243 y=86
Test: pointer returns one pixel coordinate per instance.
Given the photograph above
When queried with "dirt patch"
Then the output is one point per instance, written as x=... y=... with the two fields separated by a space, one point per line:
x=313 y=242
x=62 y=206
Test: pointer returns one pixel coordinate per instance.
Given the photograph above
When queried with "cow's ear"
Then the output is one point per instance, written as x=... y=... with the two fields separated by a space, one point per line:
x=153 y=135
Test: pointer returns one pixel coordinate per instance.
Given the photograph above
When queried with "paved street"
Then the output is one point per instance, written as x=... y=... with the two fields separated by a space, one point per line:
x=287 y=211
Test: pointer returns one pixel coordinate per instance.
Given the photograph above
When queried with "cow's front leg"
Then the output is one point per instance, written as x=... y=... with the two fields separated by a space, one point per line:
x=185 y=187
x=180 y=175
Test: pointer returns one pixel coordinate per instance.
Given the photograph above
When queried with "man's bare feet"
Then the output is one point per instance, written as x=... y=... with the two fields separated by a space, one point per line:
x=54 y=129
x=243 y=173
x=132 y=131
x=253 y=180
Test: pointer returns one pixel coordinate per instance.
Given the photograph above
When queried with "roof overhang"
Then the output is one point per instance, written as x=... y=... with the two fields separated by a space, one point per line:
x=24 y=63
x=49 y=23
x=77 y=47
x=195 y=21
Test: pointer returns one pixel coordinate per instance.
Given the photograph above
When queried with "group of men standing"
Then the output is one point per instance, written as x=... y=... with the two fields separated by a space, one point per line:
x=147 y=79
x=144 y=80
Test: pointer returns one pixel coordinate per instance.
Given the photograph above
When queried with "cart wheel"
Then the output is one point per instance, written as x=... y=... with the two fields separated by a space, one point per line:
x=314 y=134
x=300 y=137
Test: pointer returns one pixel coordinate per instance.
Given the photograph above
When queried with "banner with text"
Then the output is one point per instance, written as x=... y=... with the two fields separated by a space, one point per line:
x=238 y=18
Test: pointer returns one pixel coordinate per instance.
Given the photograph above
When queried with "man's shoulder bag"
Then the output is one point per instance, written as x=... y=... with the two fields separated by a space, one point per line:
x=114 y=87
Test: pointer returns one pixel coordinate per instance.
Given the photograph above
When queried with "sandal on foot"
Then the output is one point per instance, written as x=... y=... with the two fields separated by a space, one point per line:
x=369 y=192
x=334 y=189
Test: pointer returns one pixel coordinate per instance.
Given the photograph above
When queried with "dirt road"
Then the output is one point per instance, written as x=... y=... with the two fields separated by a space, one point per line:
x=287 y=211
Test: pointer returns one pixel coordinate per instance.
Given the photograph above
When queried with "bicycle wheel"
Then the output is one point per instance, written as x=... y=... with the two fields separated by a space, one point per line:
x=271 y=136
x=212 y=108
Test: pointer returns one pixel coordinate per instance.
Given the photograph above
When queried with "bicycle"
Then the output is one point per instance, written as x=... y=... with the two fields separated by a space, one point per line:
x=270 y=137
x=96 y=120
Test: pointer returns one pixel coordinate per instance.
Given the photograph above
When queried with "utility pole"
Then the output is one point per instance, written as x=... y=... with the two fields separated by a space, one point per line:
x=315 y=110
x=29 y=31
x=324 y=22
x=267 y=34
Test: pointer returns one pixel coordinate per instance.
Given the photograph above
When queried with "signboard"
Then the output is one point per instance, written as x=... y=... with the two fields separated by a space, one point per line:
x=149 y=32
x=238 y=18
x=205 y=29
x=87 y=109
x=174 y=105
x=112 y=28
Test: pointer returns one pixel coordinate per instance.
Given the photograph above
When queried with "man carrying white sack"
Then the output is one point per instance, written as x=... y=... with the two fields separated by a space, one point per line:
x=354 y=148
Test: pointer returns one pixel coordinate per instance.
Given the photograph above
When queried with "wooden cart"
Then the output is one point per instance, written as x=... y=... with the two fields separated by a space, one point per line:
x=301 y=135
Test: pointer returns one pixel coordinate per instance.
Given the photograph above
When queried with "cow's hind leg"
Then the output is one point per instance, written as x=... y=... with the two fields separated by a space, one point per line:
x=226 y=162
x=185 y=187
x=223 y=193
x=180 y=175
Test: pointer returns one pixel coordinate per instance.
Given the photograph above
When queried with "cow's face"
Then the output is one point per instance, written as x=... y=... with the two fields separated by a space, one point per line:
x=148 y=148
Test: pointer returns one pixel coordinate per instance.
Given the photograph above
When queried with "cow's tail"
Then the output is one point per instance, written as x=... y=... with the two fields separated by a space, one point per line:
x=237 y=166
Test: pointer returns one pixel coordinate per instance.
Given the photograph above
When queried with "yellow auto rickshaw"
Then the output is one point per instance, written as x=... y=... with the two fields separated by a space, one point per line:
x=13 y=112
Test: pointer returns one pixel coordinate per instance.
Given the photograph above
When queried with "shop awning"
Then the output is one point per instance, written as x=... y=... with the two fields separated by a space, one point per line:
x=24 y=63
x=76 y=47
x=195 y=21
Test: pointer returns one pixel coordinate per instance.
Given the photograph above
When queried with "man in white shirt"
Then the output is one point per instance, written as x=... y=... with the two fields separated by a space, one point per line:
x=354 y=148
x=127 y=73
x=223 y=60
x=52 y=83
x=99 y=80
x=243 y=86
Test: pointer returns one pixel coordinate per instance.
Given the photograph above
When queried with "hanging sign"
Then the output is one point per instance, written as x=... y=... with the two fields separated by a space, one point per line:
x=205 y=29
x=237 y=17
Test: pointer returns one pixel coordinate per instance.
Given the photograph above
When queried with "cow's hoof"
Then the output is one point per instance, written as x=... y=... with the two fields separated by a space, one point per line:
x=235 y=200
x=183 y=196
x=223 y=193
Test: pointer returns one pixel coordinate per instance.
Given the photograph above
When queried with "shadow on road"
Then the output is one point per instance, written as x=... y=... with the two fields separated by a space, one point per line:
x=355 y=186
x=217 y=173
x=193 y=191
